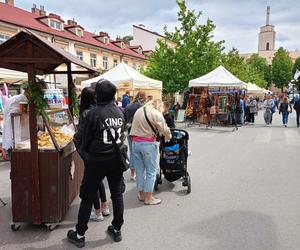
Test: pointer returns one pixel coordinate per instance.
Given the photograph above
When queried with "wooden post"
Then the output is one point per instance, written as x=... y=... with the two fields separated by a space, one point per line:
x=35 y=192
x=70 y=88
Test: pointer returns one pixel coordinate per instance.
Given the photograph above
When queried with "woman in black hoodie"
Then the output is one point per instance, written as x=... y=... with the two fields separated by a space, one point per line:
x=86 y=104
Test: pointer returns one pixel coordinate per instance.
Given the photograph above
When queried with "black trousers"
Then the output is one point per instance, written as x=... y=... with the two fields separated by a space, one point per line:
x=251 y=117
x=94 y=172
x=298 y=117
x=100 y=194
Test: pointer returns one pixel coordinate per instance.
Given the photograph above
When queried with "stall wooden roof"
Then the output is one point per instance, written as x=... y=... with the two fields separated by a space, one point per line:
x=16 y=54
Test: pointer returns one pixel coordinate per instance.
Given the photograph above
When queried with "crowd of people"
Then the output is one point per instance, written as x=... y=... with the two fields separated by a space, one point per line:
x=143 y=121
x=270 y=105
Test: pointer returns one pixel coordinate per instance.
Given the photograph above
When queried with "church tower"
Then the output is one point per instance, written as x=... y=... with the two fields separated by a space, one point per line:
x=266 y=36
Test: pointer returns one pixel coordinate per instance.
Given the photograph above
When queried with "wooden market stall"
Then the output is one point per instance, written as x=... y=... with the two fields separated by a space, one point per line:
x=44 y=181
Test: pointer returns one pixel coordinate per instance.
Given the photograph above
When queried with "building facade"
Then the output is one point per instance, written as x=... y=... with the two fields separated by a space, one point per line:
x=148 y=39
x=267 y=42
x=99 y=50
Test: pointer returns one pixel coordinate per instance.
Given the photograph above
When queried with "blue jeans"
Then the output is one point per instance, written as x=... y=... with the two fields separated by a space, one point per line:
x=285 y=117
x=145 y=159
x=131 y=162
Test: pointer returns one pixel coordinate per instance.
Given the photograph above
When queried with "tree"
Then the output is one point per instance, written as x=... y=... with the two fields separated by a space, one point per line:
x=261 y=67
x=194 y=55
x=251 y=70
x=297 y=66
x=128 y=38
x=282 y=68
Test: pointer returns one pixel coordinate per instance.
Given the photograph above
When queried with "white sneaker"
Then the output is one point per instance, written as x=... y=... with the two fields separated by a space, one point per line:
x=96 y=217
x=105 y=211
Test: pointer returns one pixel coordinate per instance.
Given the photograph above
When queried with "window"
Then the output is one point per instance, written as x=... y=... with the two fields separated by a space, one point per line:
x=115 y=63
x=134 y=66
x=79 y=55
x=4 y=37
x=268 y=46
x=106 y=40
x=126 y=62
x=122 y=45
x=93 y=60
x=105 y=62
x=79 y=32
x=55 y=24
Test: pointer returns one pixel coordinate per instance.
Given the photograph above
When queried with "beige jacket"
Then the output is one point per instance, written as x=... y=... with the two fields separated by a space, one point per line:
x=140 y=126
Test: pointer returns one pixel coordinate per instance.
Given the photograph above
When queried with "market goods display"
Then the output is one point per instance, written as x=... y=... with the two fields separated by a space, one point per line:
x=61 y=138
x=44 y=139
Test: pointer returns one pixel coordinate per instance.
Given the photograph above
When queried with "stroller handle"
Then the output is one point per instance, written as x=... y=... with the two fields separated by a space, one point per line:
x=186 y=134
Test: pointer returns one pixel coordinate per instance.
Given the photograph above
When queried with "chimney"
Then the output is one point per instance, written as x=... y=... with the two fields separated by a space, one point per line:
x=72 y=22
x=35 y=10
x=42 y=10
x=10 y=2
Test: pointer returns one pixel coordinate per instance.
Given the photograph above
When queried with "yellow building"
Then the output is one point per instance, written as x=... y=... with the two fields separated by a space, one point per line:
x=98 y=50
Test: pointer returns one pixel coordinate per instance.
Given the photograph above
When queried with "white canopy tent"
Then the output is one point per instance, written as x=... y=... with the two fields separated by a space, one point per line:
x=219 y=77
x=126 y=77
x=12 y=76
x=253 y=88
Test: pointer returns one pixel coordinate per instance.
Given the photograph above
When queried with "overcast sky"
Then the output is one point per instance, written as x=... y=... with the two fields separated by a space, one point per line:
x=237 y=21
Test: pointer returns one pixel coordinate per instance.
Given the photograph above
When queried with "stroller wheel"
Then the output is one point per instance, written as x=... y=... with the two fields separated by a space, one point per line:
x=189 y=184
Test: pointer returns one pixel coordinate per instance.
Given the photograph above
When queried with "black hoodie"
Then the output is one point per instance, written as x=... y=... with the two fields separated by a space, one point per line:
x=96 y=144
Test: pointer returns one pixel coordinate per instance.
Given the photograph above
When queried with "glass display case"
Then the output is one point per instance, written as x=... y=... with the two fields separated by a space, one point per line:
x=55 y=130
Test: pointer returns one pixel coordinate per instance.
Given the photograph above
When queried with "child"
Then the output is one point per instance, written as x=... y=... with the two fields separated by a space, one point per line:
x=168 y=117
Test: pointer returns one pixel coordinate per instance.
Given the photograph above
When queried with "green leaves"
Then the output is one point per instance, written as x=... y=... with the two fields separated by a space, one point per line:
x=297 y=66
x=282 y=67
x=195 y=53
x=36 y=96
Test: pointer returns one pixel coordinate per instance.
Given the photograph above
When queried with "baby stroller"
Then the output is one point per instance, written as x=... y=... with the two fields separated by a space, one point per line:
x=173 y=159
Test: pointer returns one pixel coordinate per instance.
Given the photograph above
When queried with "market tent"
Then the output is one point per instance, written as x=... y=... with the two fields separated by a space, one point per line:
x=253 y=88
x=11 y=76
x=219 y=77
x=124 y=76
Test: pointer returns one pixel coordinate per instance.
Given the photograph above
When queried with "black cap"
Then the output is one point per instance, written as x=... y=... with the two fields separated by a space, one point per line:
x=105 y=91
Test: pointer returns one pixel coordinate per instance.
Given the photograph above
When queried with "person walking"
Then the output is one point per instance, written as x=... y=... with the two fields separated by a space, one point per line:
x=252 y=105
x=284 y=110
x=297 y=109
x=268 y=106
x=102 y=160
x=148 y=122
x=125 y=99
x=130 y=110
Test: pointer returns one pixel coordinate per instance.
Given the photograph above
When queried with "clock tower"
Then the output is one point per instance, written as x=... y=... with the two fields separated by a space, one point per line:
x=266 y=36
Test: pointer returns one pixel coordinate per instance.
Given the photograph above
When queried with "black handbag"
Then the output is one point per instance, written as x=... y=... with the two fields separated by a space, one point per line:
x=122 y=151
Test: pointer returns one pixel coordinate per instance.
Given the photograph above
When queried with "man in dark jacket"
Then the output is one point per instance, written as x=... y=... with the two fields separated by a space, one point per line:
x=129 y=114
x=297 y=108
x=101 y=160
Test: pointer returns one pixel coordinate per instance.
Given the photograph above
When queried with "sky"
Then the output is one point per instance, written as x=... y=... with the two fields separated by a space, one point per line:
x=237 y=21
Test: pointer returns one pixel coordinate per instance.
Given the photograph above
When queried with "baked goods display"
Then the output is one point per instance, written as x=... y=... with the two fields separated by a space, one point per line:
x=44 y=140
x=62 y=139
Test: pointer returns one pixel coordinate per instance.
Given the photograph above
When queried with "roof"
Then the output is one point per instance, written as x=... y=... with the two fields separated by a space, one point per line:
x=219 y=77
x=16 y=16
x=124 y=76
x=149 y=31
x=15 y=54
